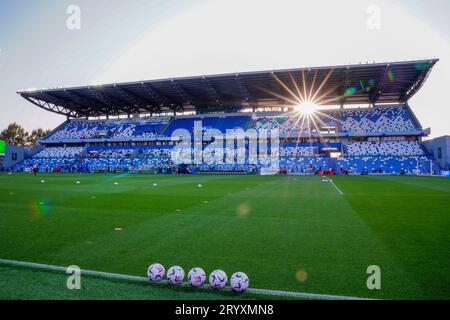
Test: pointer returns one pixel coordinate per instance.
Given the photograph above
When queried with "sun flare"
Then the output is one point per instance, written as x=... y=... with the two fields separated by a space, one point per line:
x=306 y=108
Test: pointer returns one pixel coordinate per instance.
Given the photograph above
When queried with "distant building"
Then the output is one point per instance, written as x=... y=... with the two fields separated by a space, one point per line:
x=440 y=148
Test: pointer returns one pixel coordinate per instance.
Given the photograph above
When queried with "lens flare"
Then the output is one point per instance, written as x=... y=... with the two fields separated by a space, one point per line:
x=39 y=208
x=243 y=209
x=304 y=95
x=306 y=108
x=391 y=76
x=350 y=91
x=301 y=275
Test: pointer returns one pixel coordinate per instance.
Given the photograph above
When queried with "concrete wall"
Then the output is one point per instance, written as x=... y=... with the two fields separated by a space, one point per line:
x=440 y=149
x=15 y=155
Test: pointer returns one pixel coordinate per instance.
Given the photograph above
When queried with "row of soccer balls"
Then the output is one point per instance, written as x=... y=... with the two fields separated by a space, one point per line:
x=197 y=276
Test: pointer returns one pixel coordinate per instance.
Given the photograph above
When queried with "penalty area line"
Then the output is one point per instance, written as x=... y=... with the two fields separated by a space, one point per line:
x=110 y=275
x=335 y=186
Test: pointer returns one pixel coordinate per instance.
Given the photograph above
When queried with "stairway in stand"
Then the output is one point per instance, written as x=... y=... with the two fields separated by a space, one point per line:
x=333 y=164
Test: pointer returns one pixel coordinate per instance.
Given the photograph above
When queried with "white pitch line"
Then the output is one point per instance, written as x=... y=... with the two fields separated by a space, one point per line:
x=184 y=284
x=335 y=186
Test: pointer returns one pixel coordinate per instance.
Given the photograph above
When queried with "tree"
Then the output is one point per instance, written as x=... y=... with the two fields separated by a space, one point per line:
x=35 y=135
x=14 y=135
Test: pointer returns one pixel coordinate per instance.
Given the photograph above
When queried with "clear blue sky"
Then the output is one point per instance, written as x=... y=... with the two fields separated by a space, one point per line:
x=144 y=39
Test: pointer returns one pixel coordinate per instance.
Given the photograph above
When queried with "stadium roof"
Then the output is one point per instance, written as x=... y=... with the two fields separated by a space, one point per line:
x=349 y=84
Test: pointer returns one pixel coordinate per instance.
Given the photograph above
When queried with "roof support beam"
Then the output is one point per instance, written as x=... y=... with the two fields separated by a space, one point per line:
x=342 y=91
x=135 y=100
x=85 y=104
x=376 y=92
x=158 y=99
x=101 y=96
x=276 y=88
x=212 y=92
x=59 y=104
x=50 y=106
x=418 y=83
x=187 y=98
x=246 y=95
x=142 y=103
x=54 y=100
x=77 y=98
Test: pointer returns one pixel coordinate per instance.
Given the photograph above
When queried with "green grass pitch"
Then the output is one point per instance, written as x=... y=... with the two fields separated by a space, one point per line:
x=293 y=233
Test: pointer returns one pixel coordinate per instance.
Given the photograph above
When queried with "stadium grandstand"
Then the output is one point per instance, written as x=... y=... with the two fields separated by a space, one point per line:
x=135 y=126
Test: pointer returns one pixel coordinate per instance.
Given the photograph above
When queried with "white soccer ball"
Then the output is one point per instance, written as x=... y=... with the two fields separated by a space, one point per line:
x=196 y=277
x=200 y=185
x=218 y=279
x=78 y=182
x=42 y=181
x=155 y=184
x=239 y=282
x=175 y=275
x=116 y=183
x=156 y=272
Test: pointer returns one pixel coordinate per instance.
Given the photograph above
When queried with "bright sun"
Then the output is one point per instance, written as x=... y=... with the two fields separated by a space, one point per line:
x=306 y=108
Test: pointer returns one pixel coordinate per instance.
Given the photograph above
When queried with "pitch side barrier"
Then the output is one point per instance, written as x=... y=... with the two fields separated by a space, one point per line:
x=223 y=173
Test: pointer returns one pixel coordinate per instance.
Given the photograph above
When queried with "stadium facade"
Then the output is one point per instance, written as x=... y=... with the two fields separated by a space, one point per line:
x=153 y=126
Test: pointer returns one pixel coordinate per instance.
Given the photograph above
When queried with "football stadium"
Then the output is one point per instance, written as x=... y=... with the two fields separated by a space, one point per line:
x=231 y=186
